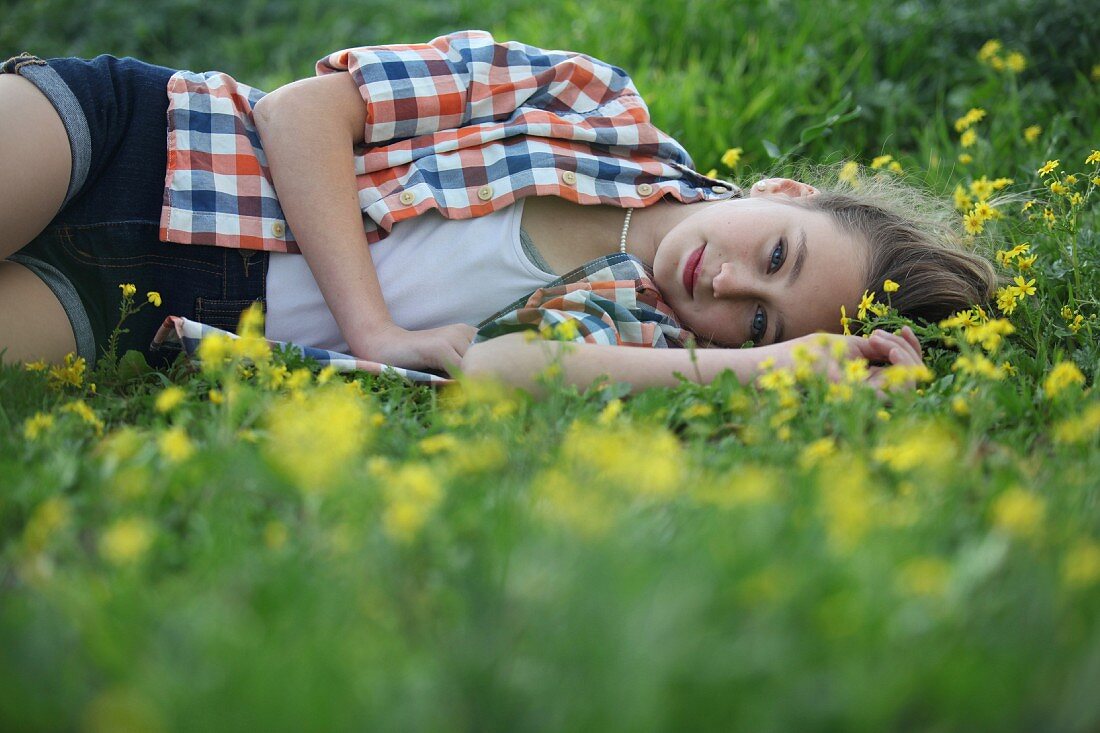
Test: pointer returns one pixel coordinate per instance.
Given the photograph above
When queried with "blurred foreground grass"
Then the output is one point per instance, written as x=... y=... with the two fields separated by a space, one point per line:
x=275 y=548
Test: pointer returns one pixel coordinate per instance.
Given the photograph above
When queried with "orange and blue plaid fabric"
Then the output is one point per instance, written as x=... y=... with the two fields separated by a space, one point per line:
x=611 y=301
x=462 y=124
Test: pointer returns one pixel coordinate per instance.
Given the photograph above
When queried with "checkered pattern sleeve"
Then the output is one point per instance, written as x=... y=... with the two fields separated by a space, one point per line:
x=611 y=301
x=466 y=79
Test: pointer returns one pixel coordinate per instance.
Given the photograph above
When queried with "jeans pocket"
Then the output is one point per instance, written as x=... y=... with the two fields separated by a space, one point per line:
x=222 y=313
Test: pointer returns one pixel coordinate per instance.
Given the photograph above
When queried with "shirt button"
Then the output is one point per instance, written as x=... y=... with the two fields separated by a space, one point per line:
x=485 y=193
x=644 y=189
x=407 y=197
x=569 y=177
x=719 y=189
x=278 y=228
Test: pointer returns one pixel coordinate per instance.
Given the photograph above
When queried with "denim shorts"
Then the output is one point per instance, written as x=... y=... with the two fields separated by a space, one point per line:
x=107 y=232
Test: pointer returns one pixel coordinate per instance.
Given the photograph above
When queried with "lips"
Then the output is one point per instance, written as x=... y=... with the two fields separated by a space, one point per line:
x=691 y=270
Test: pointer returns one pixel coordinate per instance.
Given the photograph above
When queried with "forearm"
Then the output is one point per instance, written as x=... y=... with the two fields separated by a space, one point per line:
x=517 y=361
x=312 y=167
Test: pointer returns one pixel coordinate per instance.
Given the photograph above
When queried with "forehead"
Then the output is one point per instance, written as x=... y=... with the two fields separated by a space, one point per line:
x=832 y=275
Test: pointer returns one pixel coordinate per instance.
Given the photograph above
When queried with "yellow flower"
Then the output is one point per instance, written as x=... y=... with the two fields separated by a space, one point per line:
x=1015 y=62
x=169 y=399
x=1094 y=157
x=70 y=373
x=895 y=166
x=731 y=157
x=989 y=49
x=966 y=158
x=962 y=199
x=412 y=494
x=154 y=297
x=1061 y=376
x=1081 y=564
x=126 y=541
x=982 y=188
x=816 y=451
x=610 y=411
x=856 y=371
x=984 y=211
x=924 y=576
x=968 y=138
x=1048 y=217
x=1018 y=513
x=881 y=161
x=1024 y=287
x=973 y=115
x=34 y=426
x=977 y=365
x=1048 y=167
x=175 y=446
x=864 y=303
x=848 y=172
x=86 y=413
x=890 y=286
x=972 y=223
x=1000 y=183
x=1058 y=189
x=1006 y=300
x=844 y=321
x=1031 y=134
x=128 y=289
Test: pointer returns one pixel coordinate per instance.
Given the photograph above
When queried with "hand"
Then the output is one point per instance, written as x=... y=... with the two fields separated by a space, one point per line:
x=440 y=349
x=881 y=350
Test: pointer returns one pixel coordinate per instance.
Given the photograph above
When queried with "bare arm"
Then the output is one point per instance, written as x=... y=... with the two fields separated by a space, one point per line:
x=518 y=361
x=309 y=129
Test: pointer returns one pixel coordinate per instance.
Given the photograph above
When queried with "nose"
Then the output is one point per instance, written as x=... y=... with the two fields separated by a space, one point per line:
x=734 y=280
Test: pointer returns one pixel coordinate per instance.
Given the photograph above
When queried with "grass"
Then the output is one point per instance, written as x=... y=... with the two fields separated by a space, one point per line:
x=273 y=547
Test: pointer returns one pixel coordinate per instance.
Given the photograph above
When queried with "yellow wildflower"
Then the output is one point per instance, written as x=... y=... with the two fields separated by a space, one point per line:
x=1094 y=157
x=1024 y=287
x=126 y=541
x=973 y=223
x=1015 y=62
x=856 y=371
x=974 y=115
x=731 y=157
x=412 y=494
x=962 y=198
x=864 y=303
x=895 y=166
x=881 y=161
x=890 y=286
x=1031 y=133
x=977 y=365
x=982 y=188
x=86 y=413
x=1006 y=300
x=1018 y=512
x=924 y=576
x=989 y=49
x=966 y=158
x=1027 y=205
x=968 y=138
x=1048 y=216
x=844 y=321
x=848 y=172
x=154 y=297
x=1062 y=376
x=1048 y=167
x=816 y=451
x=1025 y=263
x=175 y=446
x=1058 y=189
x=34 y=426
x=128 y=289
x=170 y=398
x=70 y=373
x=610 y=411
x=1081 y=564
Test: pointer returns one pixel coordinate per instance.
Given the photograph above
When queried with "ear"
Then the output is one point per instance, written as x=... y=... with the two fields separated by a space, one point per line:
x=782 y=187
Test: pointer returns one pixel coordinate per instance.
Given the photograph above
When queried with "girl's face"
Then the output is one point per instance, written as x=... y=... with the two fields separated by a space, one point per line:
x=759 y=269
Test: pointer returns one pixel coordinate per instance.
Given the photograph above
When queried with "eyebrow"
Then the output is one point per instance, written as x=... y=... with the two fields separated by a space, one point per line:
x=792 y=278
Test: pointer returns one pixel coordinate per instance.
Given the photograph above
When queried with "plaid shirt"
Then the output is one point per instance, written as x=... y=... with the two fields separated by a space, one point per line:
x=611 y=300
x=462 y=124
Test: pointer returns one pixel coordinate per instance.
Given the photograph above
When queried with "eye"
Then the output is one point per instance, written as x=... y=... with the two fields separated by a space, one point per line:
x=779 y=254
x=759 y=326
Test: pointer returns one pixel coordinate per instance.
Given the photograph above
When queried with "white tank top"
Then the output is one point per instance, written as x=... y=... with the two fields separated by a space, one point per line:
x=433 y=271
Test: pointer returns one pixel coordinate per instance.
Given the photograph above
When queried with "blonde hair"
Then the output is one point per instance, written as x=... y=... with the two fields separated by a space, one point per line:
x=912 y=239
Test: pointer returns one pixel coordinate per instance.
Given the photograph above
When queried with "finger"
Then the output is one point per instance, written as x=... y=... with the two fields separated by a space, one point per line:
x=895 y=341
x=908 y=335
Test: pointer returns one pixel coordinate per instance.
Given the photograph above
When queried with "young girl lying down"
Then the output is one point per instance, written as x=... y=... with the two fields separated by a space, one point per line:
x=424 y=190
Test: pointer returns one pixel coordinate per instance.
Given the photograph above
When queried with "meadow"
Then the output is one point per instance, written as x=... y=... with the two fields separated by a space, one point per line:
x=256 y=543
